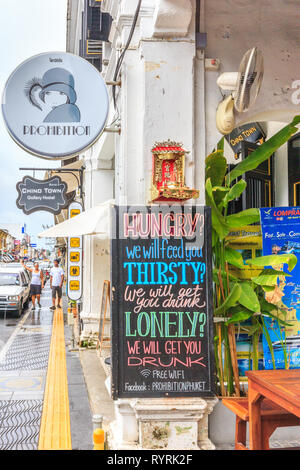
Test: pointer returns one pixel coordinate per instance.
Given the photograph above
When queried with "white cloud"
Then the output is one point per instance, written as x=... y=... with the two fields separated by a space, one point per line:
x=26 y=28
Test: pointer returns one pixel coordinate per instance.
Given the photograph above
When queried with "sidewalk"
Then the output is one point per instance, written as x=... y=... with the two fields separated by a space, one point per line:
x=43 y=398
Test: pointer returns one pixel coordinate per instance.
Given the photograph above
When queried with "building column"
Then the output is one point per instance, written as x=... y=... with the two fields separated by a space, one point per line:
x=156 y=102
x=98 y=188
x=156 y=99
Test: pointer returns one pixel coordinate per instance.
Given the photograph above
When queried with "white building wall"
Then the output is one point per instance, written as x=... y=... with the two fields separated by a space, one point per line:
x=166 y=93
x=98 y=188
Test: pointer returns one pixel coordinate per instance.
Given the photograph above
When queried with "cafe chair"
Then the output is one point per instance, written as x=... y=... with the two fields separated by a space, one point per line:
x=273 y=417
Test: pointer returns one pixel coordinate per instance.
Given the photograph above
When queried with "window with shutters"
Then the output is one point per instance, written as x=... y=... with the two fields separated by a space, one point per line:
x=260 y=184
x=93 y=19
x=95 y=3
x=294 y=170
x=95 y=29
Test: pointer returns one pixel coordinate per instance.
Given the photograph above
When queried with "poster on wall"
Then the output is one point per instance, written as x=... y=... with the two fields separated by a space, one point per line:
x=162 y=328
x=281 y=235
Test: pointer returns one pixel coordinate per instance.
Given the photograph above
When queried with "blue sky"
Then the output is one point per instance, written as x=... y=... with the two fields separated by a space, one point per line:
x=26 y=28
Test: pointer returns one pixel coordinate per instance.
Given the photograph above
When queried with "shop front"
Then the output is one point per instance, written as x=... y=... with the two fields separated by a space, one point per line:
x=161 y=126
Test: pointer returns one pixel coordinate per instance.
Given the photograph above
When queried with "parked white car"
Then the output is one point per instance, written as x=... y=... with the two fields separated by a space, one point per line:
x=14 y=289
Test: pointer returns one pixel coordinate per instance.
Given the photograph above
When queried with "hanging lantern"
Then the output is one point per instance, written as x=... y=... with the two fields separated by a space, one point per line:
x=168 y=173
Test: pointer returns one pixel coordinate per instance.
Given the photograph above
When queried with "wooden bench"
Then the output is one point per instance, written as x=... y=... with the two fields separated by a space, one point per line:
x=273 y=417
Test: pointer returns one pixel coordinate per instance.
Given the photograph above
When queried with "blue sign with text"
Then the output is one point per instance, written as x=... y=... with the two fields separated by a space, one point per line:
x=281 y=235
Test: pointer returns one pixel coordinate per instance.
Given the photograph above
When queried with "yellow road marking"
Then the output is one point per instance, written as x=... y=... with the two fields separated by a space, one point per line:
x=55 y=431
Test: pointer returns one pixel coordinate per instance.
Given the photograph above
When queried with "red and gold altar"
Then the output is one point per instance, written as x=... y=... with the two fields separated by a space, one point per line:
x=168 y=173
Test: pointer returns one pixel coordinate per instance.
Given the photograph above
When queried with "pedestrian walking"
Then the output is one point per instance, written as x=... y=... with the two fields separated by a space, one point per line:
x=56 y=283
x=37 y=283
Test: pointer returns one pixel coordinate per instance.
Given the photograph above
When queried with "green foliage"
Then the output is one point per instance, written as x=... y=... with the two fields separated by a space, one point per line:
x=216 y=167
x=247 y=217
x=274 y=260
x=239 y=314
x=219 y=223
x=249 y=298
x=231 y=300
x=268 y=277
x=234 y=192
x=223 y=275
x=234 y=257
x=238 y=300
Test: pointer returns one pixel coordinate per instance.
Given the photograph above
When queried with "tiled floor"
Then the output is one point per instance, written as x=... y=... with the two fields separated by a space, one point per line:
x=23 y=368
x=23 y=372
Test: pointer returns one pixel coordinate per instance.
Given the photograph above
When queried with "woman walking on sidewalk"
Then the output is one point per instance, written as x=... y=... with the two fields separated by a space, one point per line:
x=37 y=283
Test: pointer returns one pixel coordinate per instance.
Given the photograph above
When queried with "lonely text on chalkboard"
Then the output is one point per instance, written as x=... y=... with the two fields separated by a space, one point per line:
x=162 y=331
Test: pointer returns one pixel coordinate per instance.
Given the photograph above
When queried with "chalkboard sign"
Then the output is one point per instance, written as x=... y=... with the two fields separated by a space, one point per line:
x=162 y=328
x=103 y=314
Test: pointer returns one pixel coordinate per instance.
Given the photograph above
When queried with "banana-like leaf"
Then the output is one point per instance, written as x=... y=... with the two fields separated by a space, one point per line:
x=234 y=257
x=231 y=300
x=239 y=315
x=264 y=151
x=274 y=260
x=214 y=238
x=246 y=217
x=270 y=344
x=249 y=298
x=219 y=193
x=268 y=277
x=217 y=219
x=216 y=166
x=223 y=276
x=280 y=321
x=251 y=330
x=270 y=309
x=268 y=288
x=220 y=145
x=235 y=192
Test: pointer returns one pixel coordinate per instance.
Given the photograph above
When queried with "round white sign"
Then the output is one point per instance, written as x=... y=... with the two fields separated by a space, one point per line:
x=55 y=105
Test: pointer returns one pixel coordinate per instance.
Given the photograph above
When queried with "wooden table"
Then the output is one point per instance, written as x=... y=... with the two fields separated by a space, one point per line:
x=280 y=386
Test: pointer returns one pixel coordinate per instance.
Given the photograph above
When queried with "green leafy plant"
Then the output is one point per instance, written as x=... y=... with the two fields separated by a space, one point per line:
x=237 y=301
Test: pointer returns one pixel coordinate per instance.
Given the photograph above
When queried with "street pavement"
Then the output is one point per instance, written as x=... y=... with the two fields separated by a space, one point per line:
x=24 y=354
x=24 y=359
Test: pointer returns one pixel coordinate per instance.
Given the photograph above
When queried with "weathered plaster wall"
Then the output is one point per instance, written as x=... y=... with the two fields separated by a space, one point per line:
x=234 y=26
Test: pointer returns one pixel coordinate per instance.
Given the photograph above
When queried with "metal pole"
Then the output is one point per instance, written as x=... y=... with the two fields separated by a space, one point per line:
x=97 y=421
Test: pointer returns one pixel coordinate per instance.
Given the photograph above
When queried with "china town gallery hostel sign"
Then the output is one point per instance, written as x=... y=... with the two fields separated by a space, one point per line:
x=162 y=329
x=55 y=105
x=42 y=195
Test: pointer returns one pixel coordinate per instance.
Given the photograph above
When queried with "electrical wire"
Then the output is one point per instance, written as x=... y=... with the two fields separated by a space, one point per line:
x=120 y=59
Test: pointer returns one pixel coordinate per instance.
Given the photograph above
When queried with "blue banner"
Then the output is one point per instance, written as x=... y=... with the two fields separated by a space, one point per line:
x=281 y=235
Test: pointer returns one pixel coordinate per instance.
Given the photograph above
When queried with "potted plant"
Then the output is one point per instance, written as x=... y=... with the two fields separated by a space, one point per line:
x=240 y=301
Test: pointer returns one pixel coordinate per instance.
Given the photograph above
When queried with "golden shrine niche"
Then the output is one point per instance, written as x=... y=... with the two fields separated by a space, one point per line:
x=168 y=173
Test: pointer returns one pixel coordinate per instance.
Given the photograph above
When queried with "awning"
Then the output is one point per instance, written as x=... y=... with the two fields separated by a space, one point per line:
x=94 y=221
x=70 y=178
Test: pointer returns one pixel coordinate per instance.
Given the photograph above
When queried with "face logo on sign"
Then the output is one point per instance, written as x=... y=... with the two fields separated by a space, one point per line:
x=74 y=271
x=48 y=108
x=74 y=212
x=74 y=257
x=75 y=242
x=74 y=285
x=54 y=95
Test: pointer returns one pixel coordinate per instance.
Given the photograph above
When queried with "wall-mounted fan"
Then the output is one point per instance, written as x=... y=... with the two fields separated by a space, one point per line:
x=244 y=86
